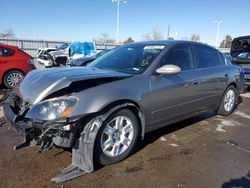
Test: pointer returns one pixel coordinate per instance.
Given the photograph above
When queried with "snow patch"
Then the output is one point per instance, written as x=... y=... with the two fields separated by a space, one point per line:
x=247 y=95
x=230 y=123
x=241 y=114
x=226 y=123
x=163 y=139
x=1 y=111
x=173 y=136
x=204 y=122
x=220 y=128
x=173 y=144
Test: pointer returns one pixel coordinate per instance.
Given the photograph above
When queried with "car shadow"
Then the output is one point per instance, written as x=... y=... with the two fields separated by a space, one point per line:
x=156 y=134
x=243 y=182
x=152 y=136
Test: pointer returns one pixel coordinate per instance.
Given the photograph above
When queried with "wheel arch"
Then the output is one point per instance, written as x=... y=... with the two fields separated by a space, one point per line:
x=233 y=84
x=126 y=103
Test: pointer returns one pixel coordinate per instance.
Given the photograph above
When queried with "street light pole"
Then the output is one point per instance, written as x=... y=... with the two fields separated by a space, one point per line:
x=118 y=17
x=218 y=22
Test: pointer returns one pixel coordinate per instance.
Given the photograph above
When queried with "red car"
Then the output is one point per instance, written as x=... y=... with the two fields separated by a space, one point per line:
x=14 y=64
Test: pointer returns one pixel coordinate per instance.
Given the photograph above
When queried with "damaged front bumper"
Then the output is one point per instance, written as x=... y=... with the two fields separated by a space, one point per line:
x=43 y=134
x=21 y=127
x=49 y=133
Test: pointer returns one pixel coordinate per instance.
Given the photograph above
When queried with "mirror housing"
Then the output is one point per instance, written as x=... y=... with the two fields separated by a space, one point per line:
x=168 y=69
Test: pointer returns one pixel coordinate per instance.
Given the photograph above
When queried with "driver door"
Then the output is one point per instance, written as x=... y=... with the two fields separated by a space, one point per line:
x=174 y=96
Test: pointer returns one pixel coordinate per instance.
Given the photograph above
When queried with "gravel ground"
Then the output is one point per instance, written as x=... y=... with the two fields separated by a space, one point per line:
x=205 y=151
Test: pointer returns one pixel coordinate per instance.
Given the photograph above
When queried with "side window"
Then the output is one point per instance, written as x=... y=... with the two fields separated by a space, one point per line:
x=1 y=52
x=207 y=57
x=7 y=52
x=228 y=60
x=180 y=55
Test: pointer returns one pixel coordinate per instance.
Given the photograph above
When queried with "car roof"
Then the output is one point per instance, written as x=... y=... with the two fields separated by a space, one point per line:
x=168 y=42
x=8 y=46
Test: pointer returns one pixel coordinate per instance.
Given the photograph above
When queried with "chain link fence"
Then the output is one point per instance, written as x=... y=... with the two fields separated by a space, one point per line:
x=31 y=46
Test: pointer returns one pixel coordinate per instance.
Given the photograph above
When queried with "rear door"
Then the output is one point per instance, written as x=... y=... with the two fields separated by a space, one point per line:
x=1 y=63
x=212 y=73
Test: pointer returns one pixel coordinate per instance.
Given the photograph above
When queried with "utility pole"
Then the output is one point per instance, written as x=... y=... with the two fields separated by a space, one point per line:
x=218 y=22
x=168 y=31
x=118 y=17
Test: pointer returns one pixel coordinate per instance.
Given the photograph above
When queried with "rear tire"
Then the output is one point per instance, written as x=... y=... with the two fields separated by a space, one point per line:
x=117 y=137
x=12 y=78
x=228 y=102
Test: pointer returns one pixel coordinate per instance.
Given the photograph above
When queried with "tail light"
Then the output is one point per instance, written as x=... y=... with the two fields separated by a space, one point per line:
x=31 y=61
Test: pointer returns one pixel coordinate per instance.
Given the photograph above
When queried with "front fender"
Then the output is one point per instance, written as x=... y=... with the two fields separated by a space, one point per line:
x=94 y=99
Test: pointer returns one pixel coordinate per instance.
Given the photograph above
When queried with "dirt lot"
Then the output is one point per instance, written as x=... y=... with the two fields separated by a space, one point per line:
x=205 y=151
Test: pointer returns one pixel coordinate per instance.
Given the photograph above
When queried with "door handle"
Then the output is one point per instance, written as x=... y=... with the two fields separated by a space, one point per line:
x=226 y=75
x=3 y=62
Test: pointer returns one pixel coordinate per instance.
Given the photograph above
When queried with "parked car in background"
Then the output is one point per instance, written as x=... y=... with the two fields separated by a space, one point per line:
x=246 y=67
x=51 y=57
x=103 y=109
x=62 y=54
x=83 y=61
x=14 y=64
x=240 y=54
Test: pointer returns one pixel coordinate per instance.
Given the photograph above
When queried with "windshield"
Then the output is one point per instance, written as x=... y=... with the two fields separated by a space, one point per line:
x=129 y=59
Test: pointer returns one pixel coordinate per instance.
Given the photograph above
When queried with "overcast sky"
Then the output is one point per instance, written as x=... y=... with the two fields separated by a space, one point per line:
x=83 y=20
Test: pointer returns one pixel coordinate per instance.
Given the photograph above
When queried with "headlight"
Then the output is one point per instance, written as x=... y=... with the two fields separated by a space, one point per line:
x=52 y=109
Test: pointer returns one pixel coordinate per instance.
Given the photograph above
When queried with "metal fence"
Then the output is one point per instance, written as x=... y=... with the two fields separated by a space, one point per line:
x=31 y=46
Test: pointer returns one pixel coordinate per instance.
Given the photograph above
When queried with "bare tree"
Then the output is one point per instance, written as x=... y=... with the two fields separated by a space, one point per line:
x=226 y=43
x=157 y=33
x=154 y=34
x=195 y=37
x=146 y=36
x=129 y=41
x=104 y=38
x=7 y=33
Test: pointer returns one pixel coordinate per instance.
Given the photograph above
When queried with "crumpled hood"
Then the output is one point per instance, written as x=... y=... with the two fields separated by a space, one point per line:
x=40 y=83
x=58 y=53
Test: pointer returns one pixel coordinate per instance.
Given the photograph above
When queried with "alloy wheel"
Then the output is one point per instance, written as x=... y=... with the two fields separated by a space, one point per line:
x=229 y=100
x=117 y=136
x=13 y=78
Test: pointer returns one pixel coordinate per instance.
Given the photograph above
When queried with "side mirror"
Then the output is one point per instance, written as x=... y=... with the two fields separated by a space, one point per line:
x=169 y=69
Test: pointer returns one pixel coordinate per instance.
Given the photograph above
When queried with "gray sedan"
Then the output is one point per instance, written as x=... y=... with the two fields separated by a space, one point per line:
x=103 y=109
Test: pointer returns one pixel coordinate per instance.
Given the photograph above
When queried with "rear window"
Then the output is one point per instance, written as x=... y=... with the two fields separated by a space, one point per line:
x=207 y=57
x=4 y=52
x=23 y=51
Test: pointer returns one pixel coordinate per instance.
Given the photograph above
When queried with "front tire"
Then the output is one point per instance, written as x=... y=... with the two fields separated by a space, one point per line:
x=117 y=137
x=228 y=102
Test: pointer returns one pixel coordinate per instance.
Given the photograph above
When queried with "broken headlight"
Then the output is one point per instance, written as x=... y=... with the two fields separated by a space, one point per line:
x=52 y=109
